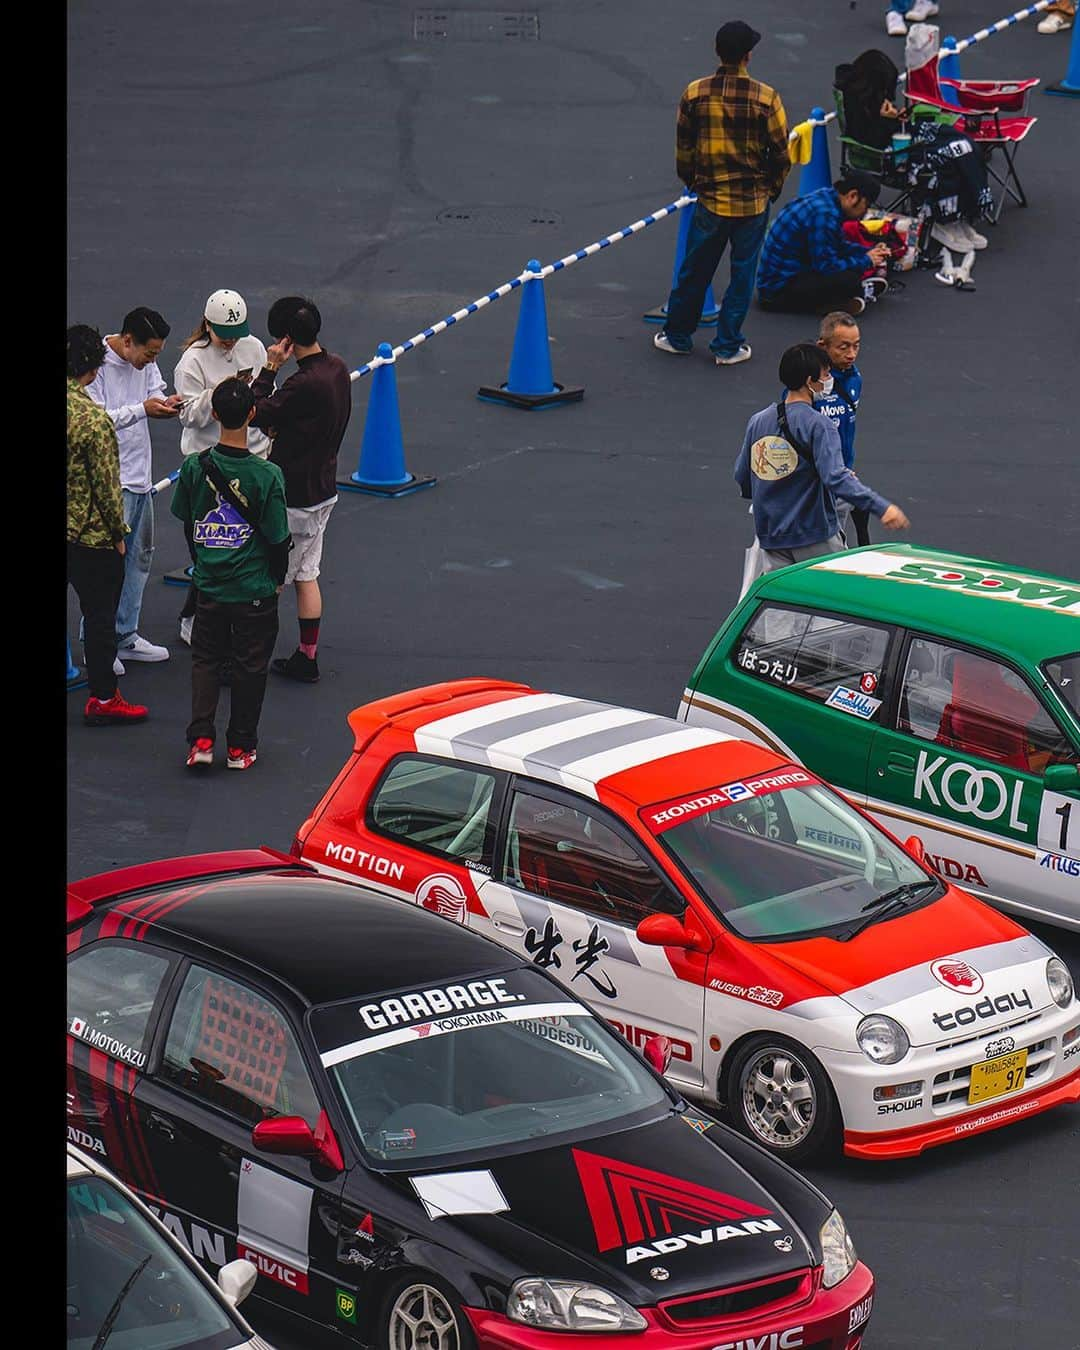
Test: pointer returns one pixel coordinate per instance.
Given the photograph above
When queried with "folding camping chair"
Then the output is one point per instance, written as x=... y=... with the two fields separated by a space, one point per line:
x=979 y=106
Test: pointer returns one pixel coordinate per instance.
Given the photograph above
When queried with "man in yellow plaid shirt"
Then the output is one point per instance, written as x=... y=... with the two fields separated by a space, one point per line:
x=732 y=150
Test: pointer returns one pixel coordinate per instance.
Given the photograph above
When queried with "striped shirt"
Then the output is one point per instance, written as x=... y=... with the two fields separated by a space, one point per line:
x=731 y=143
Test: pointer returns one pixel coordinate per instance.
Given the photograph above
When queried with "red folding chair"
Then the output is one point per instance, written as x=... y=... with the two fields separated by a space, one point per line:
x=981 y=103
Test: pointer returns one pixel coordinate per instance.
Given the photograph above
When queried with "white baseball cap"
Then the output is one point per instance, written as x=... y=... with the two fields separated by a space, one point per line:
x=226 y=313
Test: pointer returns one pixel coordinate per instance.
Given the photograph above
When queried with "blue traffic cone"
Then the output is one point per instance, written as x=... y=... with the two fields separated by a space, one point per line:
x=948 y=68
x=381 y=471
x=180 y=577
x=818 y=173
x=1070 y=85
x=75 y=678
x=710 y=311
x=530 y=383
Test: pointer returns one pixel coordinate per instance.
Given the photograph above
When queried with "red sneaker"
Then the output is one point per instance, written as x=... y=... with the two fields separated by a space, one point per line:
x=240 y=759
x=110 y=712
x=201 y=752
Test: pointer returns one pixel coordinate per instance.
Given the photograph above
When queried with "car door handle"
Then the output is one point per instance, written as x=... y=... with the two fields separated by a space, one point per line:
x=161 y=1125
x=898 y=764
x=508 y=923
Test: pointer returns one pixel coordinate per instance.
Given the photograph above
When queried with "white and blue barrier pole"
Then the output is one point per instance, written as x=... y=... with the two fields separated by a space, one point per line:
x=948 y=56
x=1070 y=85
x=180 y=576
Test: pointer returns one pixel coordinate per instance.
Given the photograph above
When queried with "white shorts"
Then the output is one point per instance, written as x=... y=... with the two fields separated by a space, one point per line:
x=307 y=525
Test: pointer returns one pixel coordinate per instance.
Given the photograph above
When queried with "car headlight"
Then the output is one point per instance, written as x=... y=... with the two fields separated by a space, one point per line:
x=1060 y=981
x=566 y=1305
x=881 y=1039
x=837 y=1249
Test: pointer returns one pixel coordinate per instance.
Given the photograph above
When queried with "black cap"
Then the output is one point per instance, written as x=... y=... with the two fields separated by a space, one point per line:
x=734 y=40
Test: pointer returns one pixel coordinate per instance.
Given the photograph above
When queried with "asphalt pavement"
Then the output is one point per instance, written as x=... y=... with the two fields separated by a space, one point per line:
x=590 y=549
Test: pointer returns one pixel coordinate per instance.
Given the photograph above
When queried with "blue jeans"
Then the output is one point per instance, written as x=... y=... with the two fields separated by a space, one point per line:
x=708 y=237
x=139 y=515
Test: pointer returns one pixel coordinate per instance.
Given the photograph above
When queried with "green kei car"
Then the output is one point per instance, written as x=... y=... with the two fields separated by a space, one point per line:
x=938 y=691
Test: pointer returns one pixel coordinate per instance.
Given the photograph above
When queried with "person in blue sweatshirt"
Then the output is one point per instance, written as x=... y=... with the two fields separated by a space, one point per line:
x=792 y=469
x=839 y=339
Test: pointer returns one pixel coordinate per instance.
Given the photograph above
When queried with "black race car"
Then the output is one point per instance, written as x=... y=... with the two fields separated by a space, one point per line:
x=420 y=1140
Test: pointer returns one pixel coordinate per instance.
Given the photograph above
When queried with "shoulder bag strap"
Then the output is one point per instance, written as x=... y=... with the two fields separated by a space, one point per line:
x=221 y=483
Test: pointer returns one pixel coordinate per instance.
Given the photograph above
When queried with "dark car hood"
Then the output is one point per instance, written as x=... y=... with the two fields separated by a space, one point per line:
x=668 y=1196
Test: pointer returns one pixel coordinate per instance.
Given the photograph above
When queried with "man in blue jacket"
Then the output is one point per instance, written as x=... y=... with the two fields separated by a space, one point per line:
x=808 y=265
x=791 y=468
x=839 y=339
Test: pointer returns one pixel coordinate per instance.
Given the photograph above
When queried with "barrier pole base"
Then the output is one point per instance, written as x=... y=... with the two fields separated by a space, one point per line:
x=1064 y=88
x=560 y=394
x=77 y=681
x=708 y=320
x=415 y=483
x=181 y=577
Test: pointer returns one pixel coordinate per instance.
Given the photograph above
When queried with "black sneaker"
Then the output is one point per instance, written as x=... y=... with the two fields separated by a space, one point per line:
x=297 y=667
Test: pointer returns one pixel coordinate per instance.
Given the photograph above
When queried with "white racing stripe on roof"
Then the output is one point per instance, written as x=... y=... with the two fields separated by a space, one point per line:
x=876 y=564
x=512 y=752
x=457 y=724
x=593 y=768
x=457 y=1021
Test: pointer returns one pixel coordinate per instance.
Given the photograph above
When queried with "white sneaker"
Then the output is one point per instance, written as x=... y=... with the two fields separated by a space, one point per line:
x=664 y=343
x=138 y=649
x=894 y=24
x=952 y=237
x=1054 y=23
x=973 y=237
x=743 y=354
x=921 y=10
x=118 y=667
x=186 y=626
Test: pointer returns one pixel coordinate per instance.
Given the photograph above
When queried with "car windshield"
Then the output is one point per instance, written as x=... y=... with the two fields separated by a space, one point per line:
x=783 y=855
x=1064 y=674
x=127 y=1289
x=507 y=1063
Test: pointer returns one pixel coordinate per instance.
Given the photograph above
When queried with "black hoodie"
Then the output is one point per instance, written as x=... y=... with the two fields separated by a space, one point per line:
x=865 y=84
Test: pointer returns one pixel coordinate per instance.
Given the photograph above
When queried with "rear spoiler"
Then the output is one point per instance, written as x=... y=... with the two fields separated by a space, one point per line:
x=371 y=718
x=83 y=895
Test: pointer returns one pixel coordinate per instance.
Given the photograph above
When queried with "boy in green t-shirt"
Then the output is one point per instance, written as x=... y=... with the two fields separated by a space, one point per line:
x=238 y=536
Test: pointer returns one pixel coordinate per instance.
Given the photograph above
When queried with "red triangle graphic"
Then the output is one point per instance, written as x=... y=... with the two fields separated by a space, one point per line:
x=366 y=1226
x=629 y=1204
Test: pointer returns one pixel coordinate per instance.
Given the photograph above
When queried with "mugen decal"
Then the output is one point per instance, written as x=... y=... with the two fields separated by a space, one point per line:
x=652 y=1214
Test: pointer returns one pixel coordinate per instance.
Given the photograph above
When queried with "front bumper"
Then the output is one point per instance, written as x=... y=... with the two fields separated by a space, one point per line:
x=913 y=1139
x=830 y=1319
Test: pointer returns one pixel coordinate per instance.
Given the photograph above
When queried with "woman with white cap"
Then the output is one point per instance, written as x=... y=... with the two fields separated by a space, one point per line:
x=221 y=347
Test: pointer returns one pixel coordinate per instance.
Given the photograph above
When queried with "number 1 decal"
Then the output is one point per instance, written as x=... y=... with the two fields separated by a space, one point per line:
x=1059 y=832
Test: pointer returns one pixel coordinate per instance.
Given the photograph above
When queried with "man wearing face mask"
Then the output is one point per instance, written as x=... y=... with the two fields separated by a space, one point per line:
x=791 y=468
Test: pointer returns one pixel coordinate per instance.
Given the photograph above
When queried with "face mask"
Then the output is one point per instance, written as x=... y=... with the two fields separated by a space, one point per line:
x=826 y=388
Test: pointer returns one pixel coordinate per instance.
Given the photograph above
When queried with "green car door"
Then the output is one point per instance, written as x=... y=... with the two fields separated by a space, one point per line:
x=806 y=683
x=972 y=761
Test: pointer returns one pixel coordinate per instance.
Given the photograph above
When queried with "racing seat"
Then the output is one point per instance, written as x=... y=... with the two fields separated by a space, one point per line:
x=242 y=1040
x=979 y=106
x=986 y=716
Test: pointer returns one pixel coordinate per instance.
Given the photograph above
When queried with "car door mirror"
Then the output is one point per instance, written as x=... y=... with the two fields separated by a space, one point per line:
x=1062 y=777
x=665 y=930
x=657 y=1052
x=236 y=1281
x=294 y=1137
x=915 y=847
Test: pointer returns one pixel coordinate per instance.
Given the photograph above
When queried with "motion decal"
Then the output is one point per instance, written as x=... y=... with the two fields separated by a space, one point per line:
x=447 y=1193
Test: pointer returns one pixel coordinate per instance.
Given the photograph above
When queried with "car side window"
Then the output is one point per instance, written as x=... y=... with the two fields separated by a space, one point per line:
x=835 y=661
x=231 y=1047
x=437 y=805
x=571 y=856
x=111 y=989
x=979 y=706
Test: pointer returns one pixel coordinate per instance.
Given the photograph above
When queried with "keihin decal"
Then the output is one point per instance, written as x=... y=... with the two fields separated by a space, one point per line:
x=111 y=1046
x=663 y=817
x=446 y=1193
x=853 y=701
x=640 y=1210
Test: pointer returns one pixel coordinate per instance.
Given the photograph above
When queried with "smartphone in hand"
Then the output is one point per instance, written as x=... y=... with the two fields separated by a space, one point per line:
x=245 y=374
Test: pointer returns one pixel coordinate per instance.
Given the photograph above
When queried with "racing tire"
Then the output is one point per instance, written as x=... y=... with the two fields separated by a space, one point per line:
x=779 y=1095
x=420 y=1311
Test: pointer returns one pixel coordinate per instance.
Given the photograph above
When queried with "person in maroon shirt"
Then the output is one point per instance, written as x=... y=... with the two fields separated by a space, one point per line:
x=306 y=420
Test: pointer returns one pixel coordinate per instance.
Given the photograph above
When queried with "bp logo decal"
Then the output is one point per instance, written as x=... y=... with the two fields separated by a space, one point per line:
x=956 y=974
x=442 y=894
x=346 y=1305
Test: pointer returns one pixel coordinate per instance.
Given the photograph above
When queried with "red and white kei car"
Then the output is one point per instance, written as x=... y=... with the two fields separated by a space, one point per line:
x=812 y=975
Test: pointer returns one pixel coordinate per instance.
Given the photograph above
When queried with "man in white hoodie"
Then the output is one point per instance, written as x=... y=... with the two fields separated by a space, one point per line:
x=130 y=388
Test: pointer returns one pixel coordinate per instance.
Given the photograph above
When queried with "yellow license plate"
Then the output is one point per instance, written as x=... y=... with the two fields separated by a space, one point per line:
x=996 y=1077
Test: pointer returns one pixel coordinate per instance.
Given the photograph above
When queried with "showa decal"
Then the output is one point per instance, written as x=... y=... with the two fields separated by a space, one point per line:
x=956 y=974
x=853 y=701
x=868 y=682
x=651 y=1214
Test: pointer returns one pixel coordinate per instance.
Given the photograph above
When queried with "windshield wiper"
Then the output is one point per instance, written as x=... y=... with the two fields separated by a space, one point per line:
x=114 y=1311
x=890 y=903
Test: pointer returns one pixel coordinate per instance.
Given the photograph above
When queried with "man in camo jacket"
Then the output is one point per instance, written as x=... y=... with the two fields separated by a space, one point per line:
x=95 y=528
